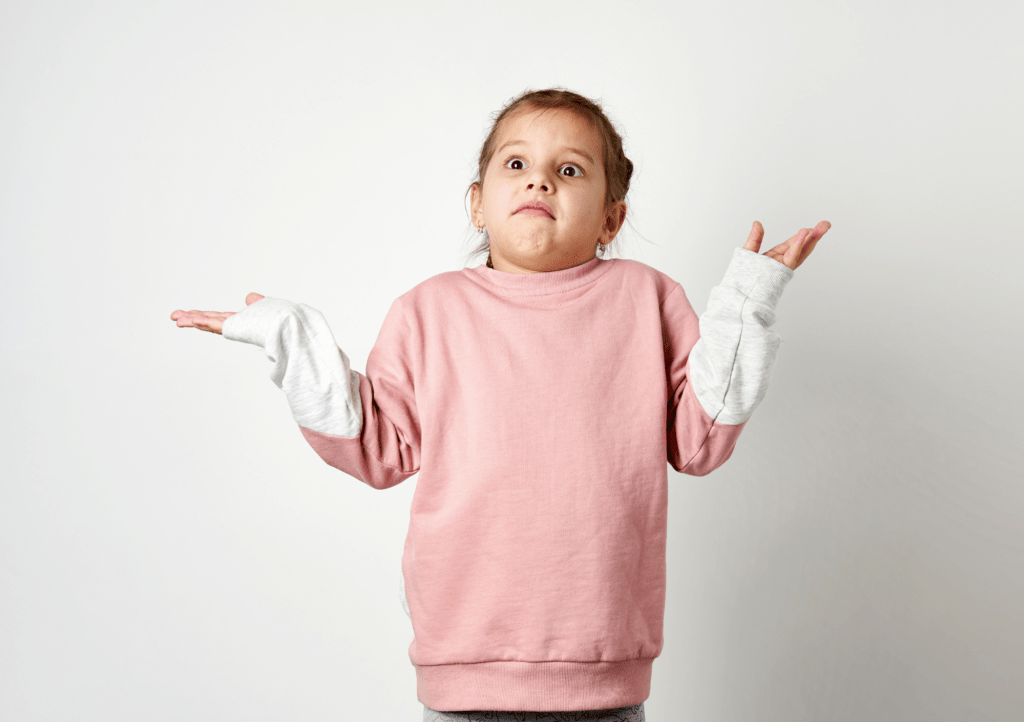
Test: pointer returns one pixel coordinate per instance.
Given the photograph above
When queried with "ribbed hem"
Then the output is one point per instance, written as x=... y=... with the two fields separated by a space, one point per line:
x=545 y=282
x=532 y=686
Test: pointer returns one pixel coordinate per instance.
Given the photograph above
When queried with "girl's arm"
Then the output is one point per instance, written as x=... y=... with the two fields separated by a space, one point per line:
x=366 y=429
x=719 y=366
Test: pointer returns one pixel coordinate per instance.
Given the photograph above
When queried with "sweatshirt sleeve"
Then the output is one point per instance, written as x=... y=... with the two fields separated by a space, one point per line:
x=365 y=428
x=720 y=376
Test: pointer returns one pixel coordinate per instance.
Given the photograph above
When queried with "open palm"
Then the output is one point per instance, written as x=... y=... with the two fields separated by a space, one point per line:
x=792 y=252
x=212 y=321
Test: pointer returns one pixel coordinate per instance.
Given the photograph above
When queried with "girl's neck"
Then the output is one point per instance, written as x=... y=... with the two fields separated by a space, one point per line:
x=543 y=283
x=490 y=264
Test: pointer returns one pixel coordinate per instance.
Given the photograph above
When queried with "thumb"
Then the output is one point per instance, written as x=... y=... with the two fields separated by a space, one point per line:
x=252 y=298
x=754 y=239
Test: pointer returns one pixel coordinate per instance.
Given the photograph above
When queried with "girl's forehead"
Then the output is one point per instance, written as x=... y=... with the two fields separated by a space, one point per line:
x=544 y=123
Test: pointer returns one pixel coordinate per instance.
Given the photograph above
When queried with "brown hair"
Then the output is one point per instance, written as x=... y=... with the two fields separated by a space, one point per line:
x=618 y=169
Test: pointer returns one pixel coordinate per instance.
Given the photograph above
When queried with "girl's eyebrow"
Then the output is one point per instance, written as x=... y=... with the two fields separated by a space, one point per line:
x=577 y=151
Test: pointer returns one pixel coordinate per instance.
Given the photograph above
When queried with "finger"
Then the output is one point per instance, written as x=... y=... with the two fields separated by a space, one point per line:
x=754 y=239
x=814 y=234
x=780 y=250
x=193 y=319
x=197 y=319
x=253 y=298
x=798 y=236
x=792 y=255
x=183 y=319
x=806 y=250
x=206 y=323
x=175 y=315
x=812 y=240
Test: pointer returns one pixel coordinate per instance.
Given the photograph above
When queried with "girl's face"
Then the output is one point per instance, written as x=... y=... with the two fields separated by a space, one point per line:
x=553 y=160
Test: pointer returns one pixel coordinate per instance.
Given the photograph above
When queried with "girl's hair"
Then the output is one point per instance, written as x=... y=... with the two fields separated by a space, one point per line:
x=618 y=169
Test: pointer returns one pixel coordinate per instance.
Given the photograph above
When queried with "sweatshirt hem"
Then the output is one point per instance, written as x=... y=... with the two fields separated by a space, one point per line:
x=531 y=686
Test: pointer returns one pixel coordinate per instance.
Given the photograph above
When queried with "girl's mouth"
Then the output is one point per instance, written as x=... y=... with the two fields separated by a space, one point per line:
x=535 y=208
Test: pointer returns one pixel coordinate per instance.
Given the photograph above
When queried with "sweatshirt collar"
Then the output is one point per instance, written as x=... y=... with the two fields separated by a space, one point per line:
x=544 y=282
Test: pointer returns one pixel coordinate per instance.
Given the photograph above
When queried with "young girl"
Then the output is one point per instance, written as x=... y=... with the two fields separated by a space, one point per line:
x=538 y=396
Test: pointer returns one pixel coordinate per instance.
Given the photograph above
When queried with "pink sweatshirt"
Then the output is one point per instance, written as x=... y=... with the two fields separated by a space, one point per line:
x=539 y=411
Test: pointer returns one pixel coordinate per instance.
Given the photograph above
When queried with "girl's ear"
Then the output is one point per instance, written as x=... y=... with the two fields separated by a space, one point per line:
x=613 y=220
x=476 y=204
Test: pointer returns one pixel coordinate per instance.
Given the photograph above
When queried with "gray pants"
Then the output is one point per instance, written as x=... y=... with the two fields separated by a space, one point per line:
x=619 y=714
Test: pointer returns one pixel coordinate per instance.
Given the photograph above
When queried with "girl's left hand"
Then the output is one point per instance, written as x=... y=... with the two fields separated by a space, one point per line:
x=212 y=321
x=792 y=252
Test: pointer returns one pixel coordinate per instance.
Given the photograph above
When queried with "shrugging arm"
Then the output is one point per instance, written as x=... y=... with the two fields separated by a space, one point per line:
x=719 y=366
x=366 y=428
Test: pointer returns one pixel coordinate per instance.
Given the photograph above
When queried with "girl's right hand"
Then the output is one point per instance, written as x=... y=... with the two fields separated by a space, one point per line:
x=790 y=253
x=212 y=321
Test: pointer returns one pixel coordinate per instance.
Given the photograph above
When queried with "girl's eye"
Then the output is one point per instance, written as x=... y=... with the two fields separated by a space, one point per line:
x=512 y=161
x=576 y=170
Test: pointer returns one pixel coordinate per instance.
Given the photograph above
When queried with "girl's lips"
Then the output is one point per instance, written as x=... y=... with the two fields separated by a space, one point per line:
x=535 y=208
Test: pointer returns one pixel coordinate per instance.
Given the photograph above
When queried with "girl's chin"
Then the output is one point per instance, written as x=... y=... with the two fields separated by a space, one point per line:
x=547 y=257
x=533 y=246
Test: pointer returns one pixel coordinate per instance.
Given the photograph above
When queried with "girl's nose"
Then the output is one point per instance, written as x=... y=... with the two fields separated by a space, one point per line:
x=538 y=180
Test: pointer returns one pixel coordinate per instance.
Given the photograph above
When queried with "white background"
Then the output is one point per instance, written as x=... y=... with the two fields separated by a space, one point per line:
x=170 y=547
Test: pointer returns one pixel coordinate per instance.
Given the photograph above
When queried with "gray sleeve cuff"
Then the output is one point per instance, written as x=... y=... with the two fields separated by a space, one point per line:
x=758 y=277
x=732 y=361
x=321 y=388
x=257 y=321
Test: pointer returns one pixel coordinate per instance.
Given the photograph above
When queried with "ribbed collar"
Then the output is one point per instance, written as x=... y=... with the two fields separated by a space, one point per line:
x=545 y=282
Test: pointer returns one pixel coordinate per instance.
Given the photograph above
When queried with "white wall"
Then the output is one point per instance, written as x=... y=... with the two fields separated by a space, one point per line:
x=171 y=549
